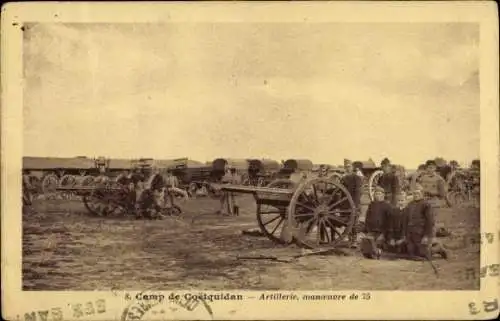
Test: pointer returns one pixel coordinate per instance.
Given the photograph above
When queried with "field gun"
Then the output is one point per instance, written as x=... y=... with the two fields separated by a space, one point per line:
x=312 y=212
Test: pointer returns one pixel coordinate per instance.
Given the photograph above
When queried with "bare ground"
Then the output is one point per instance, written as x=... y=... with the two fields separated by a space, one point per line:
x=64 y=248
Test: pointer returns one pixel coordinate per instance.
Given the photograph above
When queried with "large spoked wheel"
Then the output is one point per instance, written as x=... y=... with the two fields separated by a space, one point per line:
x=67 y=181
x=102 y=203
x=174 y=211
x=321 y=214
x=373 y=183
x=36 y=184
x=87 y=181
x=336 y=178
x=192 y=188
x=49 y=184
x=272 y=218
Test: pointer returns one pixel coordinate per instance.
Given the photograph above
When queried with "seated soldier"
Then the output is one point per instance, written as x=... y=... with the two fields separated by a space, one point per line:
x=420 y=242
x=396 y=226
x=377 y=216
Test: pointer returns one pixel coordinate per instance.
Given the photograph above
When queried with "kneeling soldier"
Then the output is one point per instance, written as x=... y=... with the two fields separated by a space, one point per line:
x=377 y=217
x=420 y=241
x=396 y=227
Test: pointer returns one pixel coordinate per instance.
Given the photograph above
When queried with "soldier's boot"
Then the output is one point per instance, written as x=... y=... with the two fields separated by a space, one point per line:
x=369 y=248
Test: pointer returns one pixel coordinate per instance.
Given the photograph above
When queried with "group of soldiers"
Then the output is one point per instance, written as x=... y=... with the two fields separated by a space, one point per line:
x=397 y=221
x=148 y=190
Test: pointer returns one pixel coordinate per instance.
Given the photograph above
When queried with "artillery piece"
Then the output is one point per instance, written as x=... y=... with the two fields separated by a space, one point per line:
x=463 y=186
x=109 y=198
x=313 y=212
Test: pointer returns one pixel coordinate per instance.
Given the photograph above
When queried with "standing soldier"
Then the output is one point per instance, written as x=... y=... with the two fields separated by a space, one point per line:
x=389 y=182
x=433 y=185
x=227 y=202
x=137 y=180
x=354 y=184
x=157 y=185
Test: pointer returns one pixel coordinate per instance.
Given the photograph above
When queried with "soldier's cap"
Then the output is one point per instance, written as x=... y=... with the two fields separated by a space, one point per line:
x=379 y=189
x=347 y=161
x=430 y=162
x=385 y=161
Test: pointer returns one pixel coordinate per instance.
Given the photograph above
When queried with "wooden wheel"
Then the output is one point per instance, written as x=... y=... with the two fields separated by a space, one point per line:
x=67 y=181
x=36 y=184
x=86 y=181
x=174 y=211
x=335 y=177
x=373 y=183
x=49 y=184
x=192 y=188
x=321 y=213
x=272 y=218
x=101 y=202
x=245 y=179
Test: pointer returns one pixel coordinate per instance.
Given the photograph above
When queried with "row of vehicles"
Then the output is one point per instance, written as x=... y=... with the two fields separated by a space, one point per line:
x=48 y=174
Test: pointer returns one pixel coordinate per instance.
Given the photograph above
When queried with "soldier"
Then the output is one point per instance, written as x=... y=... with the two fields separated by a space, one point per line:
x=357 y=169
x=420 y=230
x=137 y=180
x=376 y=225
x=158 y=186
x=172 y=180
x=227 y=201
x=397 y=224
x=124 y=178
x=354 y=184
x=389 y=182
x=432 y=183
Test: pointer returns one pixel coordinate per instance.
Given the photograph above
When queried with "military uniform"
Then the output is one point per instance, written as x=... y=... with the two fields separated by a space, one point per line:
x=375 y=229
x=421 y=223
x=433 y=185
x=228 y=204
x=354 y=185
x=396 y=227
x=390 y=183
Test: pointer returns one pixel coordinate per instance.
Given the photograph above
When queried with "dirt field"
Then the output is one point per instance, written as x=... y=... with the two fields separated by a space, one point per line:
x=64 y=248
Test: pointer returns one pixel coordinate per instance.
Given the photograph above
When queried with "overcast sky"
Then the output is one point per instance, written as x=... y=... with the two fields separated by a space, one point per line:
x=285 y=90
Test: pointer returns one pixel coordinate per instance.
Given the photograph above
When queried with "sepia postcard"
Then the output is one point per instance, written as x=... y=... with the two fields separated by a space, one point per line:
x=250 y=160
